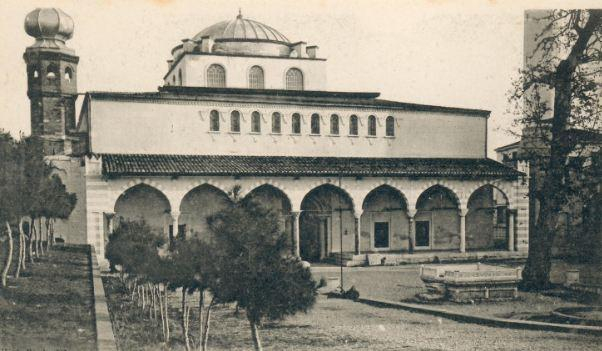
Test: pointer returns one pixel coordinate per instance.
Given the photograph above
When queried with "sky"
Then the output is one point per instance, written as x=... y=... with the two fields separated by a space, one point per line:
x=451 y=53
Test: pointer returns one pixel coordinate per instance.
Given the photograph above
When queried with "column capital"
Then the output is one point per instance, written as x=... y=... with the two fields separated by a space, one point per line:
x=174 y=214
x=463 y=212
x=412 y=212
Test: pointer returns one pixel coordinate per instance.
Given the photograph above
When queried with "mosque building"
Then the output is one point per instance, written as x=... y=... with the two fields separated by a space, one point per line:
x=353 y=177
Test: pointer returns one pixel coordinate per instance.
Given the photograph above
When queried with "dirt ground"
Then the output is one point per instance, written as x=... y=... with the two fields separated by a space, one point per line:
x=336 y=324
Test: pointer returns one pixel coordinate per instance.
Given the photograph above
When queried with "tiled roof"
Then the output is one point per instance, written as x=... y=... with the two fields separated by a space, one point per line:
x=189 y=165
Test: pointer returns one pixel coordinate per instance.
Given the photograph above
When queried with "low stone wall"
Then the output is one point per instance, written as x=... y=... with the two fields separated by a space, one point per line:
x=105 y=339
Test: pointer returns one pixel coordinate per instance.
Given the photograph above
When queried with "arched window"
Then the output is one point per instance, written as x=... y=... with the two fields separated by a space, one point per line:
x=296 y=124
x=256 y=78
x=235 y=122
x=294 y=79
x=390 y=126
x=180 y=76
x=216 y=76
x=371 y=125
x=334 y=124
x=315 y=123
x=52 y=71
x=68 y=74
x=214 y=121
x=353 y=129
x=255 y=122
x=276 y=128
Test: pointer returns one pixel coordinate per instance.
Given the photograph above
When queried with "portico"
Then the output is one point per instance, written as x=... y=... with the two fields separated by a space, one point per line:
x=368 y=214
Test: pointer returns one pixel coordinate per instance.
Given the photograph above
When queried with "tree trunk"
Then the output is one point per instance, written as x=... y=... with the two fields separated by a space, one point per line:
x=47 y=241
x=39 y=241
x=166 y=312
x=201 y=329
x=255 y=335
x=161 y=313
x=185 y=320
x=30 y=243
x=536 y=275
x=34 y=236
x=21 y=256
x=207 y=322
x=9 y=257
x=52 y=221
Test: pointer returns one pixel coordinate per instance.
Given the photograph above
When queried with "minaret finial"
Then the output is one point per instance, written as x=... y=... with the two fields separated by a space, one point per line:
x=239 y=14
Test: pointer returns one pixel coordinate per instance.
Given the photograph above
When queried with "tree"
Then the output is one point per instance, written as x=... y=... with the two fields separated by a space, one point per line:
x=252 y=266
x=8 y=195
x=565 y=63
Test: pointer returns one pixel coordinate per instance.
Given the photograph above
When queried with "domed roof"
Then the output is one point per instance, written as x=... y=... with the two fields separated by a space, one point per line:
x=49 y=24
x=242 y=29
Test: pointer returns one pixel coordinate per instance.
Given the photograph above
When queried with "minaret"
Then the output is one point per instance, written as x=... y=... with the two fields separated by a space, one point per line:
x=51 y=79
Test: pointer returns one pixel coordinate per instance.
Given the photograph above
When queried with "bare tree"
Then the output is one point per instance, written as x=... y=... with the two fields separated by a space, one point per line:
x=558 y=105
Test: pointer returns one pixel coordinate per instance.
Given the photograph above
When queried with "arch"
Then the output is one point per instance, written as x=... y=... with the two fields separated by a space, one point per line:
x=334 y=124
x=255 y=122
x=390 y=126
x=276 y=123
x=294 y=79
x=199 y=203
x=52 y=71
x=235 y=122
x=327 y=218
x=486 y=220
x=68 y=73
x=371 y=125
x=214 y=121
x=315 y=124
x=353 y=125
x=144 y=202
x=497 y=185
x=256 y=78
x=216 y=76
x=271 y=197
x=384 y=217
x=296 y=123
x=437 y=219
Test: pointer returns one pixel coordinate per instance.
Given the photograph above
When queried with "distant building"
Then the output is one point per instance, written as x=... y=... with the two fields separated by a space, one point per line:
x=242 y=105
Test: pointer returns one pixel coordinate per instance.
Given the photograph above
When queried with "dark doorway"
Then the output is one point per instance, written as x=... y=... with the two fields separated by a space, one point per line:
x=423 y=231
x=381 y=235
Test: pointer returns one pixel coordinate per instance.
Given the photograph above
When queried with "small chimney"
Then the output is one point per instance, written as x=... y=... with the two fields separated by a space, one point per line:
x=312 y=51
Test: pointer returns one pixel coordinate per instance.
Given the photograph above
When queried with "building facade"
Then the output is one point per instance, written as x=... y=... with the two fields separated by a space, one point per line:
x=352 y=176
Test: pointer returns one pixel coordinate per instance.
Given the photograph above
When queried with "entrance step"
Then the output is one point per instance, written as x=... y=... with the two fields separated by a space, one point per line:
x=349 y=259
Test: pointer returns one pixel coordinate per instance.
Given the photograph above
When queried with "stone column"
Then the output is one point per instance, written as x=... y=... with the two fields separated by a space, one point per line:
x=110 y=221
x=510 y=230
x=296 y=233
x=412 y=230
x=174 y=223
x=358 y=233
x=463 y=213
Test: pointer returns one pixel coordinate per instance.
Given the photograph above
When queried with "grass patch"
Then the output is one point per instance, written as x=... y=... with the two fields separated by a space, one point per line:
x=51 y=308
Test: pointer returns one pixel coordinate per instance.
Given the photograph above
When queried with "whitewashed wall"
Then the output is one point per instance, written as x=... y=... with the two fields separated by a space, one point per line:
x=180 y=127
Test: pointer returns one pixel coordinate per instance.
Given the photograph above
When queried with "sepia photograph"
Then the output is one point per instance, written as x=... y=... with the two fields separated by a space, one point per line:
x=421 y=175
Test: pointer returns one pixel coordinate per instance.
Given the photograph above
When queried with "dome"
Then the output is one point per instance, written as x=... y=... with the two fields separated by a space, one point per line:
x=241 y=29
x=49 y=24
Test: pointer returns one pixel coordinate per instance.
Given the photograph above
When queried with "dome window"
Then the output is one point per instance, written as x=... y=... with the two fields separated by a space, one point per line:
x=294 y=79
x=255 y=122
x=276 y=127
x=216 y=76
x=256 y=78
x=371 y=125
x=390 y=126
x=52 y=72
x=180 y=76
x=214 y=121
x=334 y=124
x=235 y=122
x=353 y=129
x=296 y=124
x=315 y=124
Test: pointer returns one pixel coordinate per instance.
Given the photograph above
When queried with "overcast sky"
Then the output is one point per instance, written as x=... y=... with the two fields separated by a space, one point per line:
x=452 y=53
